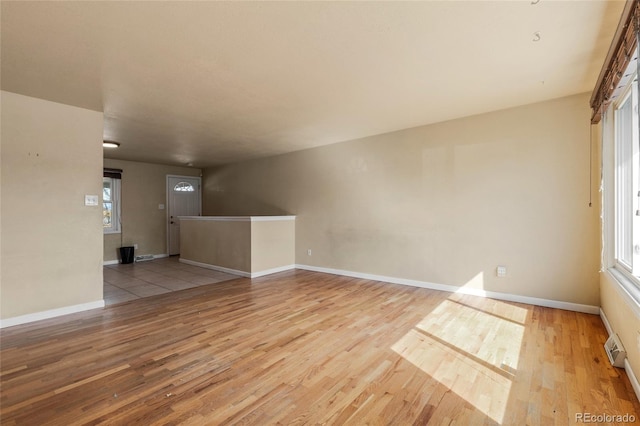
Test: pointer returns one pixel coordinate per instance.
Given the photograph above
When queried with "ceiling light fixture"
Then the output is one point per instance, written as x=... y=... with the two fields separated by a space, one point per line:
x=109 y=144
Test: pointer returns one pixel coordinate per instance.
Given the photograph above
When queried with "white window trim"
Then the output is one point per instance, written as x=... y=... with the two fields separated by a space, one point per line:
x=115 y=199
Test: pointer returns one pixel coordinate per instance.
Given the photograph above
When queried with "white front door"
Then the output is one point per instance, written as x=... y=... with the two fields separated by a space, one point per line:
x=183 y=198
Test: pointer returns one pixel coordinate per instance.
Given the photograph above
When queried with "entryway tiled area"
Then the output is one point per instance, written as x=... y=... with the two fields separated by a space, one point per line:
x=123 y=283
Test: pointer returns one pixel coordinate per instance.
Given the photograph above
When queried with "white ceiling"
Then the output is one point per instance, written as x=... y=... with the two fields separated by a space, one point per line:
x=207 y=83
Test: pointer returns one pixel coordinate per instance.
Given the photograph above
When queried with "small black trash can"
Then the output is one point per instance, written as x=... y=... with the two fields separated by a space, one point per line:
x=126 y=254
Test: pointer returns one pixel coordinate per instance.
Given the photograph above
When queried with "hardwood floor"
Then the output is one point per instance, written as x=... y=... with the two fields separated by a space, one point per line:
x=309 y=348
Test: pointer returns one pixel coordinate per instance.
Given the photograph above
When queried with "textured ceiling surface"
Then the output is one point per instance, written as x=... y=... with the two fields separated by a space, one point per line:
x=208 y=83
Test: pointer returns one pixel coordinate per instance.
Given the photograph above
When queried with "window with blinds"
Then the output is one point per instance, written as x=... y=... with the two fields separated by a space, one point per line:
x=111 y=200
x=615 y=102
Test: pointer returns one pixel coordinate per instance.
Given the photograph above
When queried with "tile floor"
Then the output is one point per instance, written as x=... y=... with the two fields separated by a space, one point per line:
x=123 y=283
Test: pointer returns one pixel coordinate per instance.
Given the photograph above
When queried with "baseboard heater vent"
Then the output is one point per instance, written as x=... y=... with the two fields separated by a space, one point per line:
x=144 y=257
x=615 y=351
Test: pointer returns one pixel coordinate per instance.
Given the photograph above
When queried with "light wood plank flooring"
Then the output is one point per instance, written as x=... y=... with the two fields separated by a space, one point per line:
x=308 y=348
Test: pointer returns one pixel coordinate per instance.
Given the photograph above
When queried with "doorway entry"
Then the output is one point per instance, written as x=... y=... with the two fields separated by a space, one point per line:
x=183 y=199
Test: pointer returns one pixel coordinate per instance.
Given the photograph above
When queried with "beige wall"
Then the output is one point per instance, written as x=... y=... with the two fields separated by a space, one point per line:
x=624 y=320
x=51 y=242
x=144 y=187
x=444 y=203
x=272 y=244
x=219 y=243
x=239 y=244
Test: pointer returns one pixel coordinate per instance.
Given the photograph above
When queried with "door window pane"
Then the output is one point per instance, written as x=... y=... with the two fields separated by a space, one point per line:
x=183 y=187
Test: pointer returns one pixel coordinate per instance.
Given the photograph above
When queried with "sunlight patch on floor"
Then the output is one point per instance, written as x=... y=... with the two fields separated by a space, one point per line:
x=472 y=352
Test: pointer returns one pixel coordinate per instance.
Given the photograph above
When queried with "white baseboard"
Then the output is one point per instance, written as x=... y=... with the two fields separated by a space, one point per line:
x=272 y=271
x=589 y=309
x=236 y=271
x=37 y=316
x=632 y=378
x=606 y=322
x=116 y=261
x=216 y=268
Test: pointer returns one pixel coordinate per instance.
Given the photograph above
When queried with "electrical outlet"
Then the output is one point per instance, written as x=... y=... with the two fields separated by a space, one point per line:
x=308 y=252
x=135 y=246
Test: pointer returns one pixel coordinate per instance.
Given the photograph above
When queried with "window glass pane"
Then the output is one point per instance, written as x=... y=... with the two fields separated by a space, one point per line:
x=110 y=205
x=106 y=191
x=107 y=214
x=624 y=175
x=183 y=187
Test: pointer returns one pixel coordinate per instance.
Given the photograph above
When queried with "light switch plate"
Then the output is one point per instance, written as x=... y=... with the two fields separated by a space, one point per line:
x=90 y=200
x=160 y=206
x=501 y=271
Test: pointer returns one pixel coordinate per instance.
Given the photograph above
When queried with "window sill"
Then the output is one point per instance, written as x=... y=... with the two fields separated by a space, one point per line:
x=629 y=287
